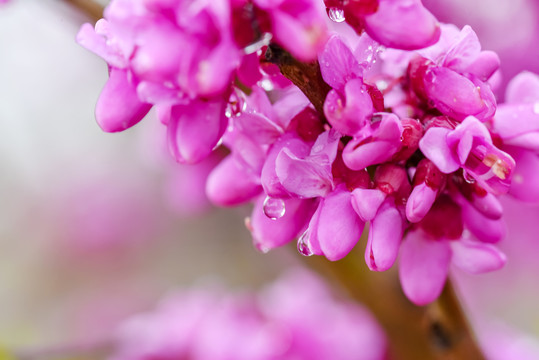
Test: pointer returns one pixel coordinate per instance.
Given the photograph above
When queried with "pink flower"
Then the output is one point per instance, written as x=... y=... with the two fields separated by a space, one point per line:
x=288 y=319
x=469 y=146
x=451 y=75
x=401 y=24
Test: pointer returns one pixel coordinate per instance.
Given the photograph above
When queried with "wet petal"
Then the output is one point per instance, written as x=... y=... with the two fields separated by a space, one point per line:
x=337 y=64
x=268 y=234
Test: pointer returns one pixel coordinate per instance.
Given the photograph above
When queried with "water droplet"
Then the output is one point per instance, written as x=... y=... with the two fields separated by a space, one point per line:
x=336 y=14
x=468 y=178
x=304 y=247
x=274 y=208
x=382 y=85
x=266 y=84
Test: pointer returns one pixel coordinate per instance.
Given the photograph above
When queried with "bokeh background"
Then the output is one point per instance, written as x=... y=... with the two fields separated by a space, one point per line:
x=95 y=227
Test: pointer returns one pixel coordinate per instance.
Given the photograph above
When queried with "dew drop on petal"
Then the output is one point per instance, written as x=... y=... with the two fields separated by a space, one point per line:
x=274 y=208
x=336 y=14
x=468 y=178
x=266 y=84
x=303 y=244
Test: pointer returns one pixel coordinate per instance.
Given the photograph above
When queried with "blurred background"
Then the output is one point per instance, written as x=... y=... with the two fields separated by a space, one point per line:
x=95 y=227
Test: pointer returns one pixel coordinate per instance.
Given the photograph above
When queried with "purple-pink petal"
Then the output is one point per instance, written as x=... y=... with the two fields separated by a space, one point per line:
x=385 y=235
x=406 y=25
x=423 y=267
x=523 y=89
x=420 y=202
x=268 y=234
x=118 y=107
x=366 y=202
x=525 y=184
x=434 y=146
x=483 y=228
x=230 y=184
x=338 y=64
x=195 y=129
x=476 y=257
x=339 y=227
x=306 y=178
x=350 y=113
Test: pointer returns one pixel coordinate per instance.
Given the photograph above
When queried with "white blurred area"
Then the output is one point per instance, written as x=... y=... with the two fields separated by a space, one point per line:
x=87 y=236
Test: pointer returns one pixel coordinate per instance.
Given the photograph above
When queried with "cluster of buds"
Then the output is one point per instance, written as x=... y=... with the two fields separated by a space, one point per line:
x=408 y=136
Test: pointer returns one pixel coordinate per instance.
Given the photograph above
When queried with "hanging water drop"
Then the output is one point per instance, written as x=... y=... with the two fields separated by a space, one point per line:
x=336 y=14
x=303 y=244
x=274 y=208
x=468 y=178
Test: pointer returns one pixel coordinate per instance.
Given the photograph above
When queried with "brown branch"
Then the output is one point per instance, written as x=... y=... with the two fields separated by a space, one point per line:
x=91 y=8
x=306 y=76
x=436 y=331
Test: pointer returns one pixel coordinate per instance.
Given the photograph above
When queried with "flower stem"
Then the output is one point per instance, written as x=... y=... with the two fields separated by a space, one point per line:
x=91 y=8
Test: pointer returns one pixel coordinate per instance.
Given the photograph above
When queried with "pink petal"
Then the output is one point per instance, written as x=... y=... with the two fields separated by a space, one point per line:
x=350 y=114
x=457 y=96
x=525 y=183
x=195 y=129
x=229 y=184
x=306 y=178
x=464 y=50
x=337 y=64
x=403 y=25
x=118 y=107
x=366 y=202
x=523 y=88
x=304 y=41
x=420 y=202
x=482 y=227
x=339 y=227
x=518 y=124
x=385 y=236
x=476 y=257
x=270 y=181
x=268 y=234
x=423 y=267
x=488 y=205
x=484 y=66
x=434 y=147
x=89 y=39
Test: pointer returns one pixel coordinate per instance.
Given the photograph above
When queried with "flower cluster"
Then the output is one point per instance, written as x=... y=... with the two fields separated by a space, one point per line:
x=410 y=138
x=294 y=318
